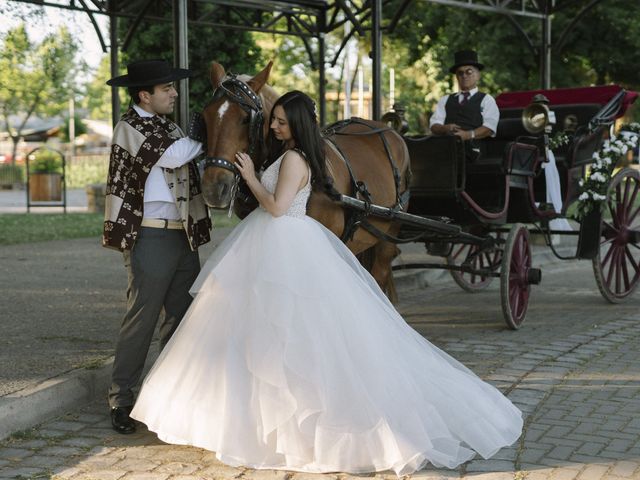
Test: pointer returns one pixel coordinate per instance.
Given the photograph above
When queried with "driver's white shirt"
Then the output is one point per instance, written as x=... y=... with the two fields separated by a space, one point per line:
x=488 y=107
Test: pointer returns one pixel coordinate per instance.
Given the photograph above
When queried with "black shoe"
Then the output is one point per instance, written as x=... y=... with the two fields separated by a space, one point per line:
x=121 y=421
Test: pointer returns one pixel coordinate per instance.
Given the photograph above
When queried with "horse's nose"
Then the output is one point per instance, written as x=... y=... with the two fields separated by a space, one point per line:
x=223 y=189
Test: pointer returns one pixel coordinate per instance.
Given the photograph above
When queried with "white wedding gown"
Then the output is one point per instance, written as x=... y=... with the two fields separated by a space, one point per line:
x=290 y=357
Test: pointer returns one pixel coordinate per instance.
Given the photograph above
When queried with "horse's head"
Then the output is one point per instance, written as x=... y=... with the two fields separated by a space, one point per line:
x=235 y=120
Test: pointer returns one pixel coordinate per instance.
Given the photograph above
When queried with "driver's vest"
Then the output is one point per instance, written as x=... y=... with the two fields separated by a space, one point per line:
x=467 y=116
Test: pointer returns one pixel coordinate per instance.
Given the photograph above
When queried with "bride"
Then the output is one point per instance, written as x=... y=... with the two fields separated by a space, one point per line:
x=291 y=357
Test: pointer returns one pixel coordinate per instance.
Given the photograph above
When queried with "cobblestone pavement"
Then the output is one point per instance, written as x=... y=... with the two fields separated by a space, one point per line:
x=574 y=370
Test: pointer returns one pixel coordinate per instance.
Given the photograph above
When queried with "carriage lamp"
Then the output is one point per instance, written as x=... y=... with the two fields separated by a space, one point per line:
x=396 y=120
x=536 y=117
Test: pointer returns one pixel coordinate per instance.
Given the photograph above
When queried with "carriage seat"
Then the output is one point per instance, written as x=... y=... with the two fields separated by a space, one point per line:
x=490 y=160
x=506 y=156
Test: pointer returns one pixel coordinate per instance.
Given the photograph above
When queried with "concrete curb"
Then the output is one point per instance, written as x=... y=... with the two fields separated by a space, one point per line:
x=26 y=408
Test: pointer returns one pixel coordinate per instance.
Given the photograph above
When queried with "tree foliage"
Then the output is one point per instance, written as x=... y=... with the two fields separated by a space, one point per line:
x=291 y=69
x=420 y=50
x=234 y=49
x=425 y=40
x=97 y=96
x=79 y=128
x=35 y=78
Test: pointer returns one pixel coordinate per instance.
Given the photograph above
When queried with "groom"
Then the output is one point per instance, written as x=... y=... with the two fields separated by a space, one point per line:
x=155 y=215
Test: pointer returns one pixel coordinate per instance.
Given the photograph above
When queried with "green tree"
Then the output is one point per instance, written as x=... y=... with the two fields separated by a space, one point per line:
x=234 y=49
x=35 y=78
x=96 y=99
x=290 y=69
x=589 y=50
x=79 y=128
x=423 y=44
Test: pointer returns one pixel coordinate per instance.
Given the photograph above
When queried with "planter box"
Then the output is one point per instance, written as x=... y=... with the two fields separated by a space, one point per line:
x=45 y=187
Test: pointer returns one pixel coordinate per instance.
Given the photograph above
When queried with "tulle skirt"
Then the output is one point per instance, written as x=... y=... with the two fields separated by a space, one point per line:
x=290 y=357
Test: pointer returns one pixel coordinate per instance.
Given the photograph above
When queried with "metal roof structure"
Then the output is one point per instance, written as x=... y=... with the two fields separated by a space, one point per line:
x=309 y=20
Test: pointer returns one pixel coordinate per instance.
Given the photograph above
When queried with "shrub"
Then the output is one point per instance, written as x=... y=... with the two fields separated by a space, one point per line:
x=44 y=160
x=85 y=170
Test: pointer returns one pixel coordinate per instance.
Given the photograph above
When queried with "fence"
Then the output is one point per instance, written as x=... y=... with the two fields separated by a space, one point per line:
x=81 y=170
x=11 y=176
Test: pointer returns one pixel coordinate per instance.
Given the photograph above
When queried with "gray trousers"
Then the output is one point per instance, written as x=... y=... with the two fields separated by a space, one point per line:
x=161 y=268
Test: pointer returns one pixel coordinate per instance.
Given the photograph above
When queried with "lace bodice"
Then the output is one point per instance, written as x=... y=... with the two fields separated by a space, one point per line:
x=269 y=180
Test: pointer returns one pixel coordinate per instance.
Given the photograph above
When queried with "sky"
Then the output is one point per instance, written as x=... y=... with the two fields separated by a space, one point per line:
x=78 y=24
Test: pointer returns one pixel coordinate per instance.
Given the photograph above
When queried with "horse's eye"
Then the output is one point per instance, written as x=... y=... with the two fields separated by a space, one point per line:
x=245 y=120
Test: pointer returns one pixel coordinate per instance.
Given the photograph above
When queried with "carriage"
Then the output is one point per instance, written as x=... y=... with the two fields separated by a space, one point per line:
x=474 y=210
x=488 y=204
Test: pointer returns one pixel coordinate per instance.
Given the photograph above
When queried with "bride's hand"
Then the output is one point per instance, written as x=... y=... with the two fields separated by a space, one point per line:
x=244 y=164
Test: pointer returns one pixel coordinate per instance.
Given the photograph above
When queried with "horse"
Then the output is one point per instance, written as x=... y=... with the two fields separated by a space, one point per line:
x=365 y=159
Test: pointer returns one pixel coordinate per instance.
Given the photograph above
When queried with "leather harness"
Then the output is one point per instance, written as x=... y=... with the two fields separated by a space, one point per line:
x=239 y=92
x=358 y=218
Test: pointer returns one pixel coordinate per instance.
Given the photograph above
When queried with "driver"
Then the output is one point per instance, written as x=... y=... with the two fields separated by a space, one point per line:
x=469 y=114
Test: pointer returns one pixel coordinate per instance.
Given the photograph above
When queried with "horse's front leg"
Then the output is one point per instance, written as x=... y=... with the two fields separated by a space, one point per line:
x=383 y=255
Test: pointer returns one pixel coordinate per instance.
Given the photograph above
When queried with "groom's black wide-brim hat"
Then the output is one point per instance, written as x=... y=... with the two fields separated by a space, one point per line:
x=465 y=57
x=149 y=72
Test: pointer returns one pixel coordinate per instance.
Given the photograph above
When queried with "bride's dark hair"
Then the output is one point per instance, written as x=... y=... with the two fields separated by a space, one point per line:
x=303 y=124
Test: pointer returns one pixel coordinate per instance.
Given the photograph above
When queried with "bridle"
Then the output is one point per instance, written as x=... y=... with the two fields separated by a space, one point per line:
x=239 y=92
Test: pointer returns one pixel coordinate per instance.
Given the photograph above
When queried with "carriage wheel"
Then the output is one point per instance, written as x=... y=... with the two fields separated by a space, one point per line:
x=617 y=265
x=472 y=282
x=515 y=285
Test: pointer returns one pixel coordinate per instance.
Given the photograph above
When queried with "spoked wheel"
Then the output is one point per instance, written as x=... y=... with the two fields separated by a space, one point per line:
x=516 y=276
x=617 y=265
x=473 y=282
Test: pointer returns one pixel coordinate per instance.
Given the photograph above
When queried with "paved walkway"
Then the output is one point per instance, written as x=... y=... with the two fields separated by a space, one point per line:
x=573 y=368
x=15 y=201
x=581 y=396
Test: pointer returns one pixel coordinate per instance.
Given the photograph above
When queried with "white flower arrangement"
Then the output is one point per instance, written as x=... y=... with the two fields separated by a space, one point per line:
x=593 y=188
x=559 y=139
x=633 y=127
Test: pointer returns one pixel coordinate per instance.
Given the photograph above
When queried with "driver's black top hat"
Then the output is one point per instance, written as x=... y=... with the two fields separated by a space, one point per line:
x=465 y=57
x=149 y=72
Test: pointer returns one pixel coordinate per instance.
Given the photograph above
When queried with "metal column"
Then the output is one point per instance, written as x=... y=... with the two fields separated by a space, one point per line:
x=376 y=57
x=321 y=26
x=322 y=111
x=181 y=59
x=545 y=49
x=115 y=66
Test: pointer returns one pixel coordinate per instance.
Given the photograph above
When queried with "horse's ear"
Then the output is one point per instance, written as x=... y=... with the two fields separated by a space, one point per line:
x=257 y=82
x=216 y=73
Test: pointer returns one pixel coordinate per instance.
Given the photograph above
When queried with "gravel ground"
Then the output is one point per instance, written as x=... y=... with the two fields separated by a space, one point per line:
x=61 y=307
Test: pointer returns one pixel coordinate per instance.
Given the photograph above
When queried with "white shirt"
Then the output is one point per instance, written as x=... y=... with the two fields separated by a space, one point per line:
x=488 y=109
x=158 y=199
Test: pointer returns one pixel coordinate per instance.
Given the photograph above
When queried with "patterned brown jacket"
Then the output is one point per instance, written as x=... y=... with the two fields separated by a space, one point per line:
x=138 y=143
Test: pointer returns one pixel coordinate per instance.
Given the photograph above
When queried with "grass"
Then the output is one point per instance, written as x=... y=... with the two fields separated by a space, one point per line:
x=43 y=227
